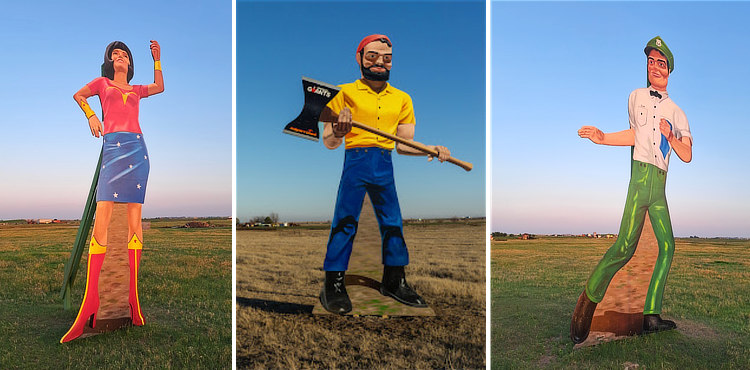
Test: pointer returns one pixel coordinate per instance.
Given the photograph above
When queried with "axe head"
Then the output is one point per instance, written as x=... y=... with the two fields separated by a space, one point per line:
x=317 y=95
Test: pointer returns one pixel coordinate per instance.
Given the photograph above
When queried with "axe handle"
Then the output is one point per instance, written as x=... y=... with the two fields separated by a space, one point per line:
x=465 y=165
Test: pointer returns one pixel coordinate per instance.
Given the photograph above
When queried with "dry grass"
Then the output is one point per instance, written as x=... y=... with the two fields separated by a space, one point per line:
x=279 y=275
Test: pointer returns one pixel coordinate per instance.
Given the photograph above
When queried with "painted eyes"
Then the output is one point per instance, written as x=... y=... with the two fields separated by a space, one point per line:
x=373 y=57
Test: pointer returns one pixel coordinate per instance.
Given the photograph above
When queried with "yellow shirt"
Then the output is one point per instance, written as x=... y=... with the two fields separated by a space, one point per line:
x=385 y=111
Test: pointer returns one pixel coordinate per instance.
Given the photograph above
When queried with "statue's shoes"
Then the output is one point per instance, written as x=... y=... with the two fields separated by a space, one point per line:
x=580 y=324
x=333 y=296
x=654 y=323
x=394 y=285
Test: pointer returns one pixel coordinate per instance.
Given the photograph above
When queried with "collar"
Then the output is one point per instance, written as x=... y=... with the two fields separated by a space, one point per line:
x=362 y=86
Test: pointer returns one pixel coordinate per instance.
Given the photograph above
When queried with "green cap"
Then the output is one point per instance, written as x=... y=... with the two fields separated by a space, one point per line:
x=659 y=44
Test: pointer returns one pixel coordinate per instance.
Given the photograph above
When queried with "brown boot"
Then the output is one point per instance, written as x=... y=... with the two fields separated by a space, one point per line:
x=581 y=322
x=654 y=323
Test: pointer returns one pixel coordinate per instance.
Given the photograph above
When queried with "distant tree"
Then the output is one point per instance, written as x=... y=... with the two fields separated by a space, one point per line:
x=274 y=217
x=267 y=220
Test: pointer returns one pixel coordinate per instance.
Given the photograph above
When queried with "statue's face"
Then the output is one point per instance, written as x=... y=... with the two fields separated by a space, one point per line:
x=121 y=60
x=378 y=56
x=658 y=70
x=377 y=59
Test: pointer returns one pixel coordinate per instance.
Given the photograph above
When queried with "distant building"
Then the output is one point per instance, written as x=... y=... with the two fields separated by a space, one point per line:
x=45 y=221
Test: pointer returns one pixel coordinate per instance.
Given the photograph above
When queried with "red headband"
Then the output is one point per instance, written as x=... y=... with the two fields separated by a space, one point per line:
x=370 y=39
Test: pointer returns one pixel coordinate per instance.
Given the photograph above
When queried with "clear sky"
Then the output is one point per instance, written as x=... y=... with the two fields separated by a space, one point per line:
x=50 y=49
x=558 y=66
x=438 y=58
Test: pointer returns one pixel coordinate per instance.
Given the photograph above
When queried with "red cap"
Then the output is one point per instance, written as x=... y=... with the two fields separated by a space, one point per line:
x=370 y=39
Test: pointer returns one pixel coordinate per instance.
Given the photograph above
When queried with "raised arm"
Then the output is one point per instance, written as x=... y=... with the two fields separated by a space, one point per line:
x=406 y=131
x=94 y=124
x=620 y=138
x=158 y=85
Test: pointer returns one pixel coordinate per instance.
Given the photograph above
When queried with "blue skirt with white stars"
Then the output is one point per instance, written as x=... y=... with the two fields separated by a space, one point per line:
x=124 y=171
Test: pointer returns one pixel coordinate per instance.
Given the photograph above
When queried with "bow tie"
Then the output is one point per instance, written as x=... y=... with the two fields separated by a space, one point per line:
x=655 y=93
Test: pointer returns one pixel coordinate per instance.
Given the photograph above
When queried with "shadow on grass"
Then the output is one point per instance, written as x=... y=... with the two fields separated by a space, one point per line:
x=275 y=306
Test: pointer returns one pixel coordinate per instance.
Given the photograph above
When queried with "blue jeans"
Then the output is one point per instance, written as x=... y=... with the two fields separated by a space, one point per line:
x=367 y=170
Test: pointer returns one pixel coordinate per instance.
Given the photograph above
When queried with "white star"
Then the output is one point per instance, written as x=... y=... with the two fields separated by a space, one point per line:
x=138 y=186
x=103 y=166
x=131 y=166
x=145 y=157
x=115 y=194
x=137 y=136
x=118 y=144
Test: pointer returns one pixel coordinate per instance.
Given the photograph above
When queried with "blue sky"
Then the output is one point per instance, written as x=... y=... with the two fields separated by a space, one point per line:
x=439 y=59
x=558 y=66
x=51 y=49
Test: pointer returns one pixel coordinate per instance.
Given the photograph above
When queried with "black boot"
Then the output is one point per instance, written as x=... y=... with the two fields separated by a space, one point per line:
x=582 y=316
x=333 y=296
x=654 y=323
x=394 y=285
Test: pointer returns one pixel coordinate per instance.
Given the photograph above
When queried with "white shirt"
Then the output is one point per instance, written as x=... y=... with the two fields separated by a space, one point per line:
x=645 y=112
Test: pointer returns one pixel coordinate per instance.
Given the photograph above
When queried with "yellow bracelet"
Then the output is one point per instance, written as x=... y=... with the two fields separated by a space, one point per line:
x=157 y=65
x=86 y=108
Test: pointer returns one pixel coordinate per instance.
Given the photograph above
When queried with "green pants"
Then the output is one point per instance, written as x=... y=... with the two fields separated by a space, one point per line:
x=645 y=193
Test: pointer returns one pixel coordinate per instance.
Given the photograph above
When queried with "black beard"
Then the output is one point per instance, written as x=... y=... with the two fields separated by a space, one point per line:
x=375 y=76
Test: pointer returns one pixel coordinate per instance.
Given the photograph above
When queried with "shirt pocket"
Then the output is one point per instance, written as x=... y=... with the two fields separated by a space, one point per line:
x=641 y=112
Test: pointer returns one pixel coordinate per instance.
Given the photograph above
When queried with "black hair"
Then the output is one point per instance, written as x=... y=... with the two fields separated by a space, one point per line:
x=108 y=67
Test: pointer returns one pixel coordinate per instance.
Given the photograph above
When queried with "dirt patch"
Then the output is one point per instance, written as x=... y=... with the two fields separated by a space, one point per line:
x=545 y=361
x=696 y=330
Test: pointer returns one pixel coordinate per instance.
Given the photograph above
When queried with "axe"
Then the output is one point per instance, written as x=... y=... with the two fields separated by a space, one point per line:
x=317 y=95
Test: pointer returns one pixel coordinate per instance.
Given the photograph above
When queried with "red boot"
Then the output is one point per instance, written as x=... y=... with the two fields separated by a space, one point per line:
x=90 y=304
x=134 y=260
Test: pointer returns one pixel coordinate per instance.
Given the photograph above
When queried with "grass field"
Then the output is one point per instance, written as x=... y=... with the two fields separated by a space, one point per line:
x=185 y=293
x=535 y=284
x=279 y=276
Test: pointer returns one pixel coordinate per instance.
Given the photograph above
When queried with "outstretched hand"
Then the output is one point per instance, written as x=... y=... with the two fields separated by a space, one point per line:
x=592 y=133
x=155 y=50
